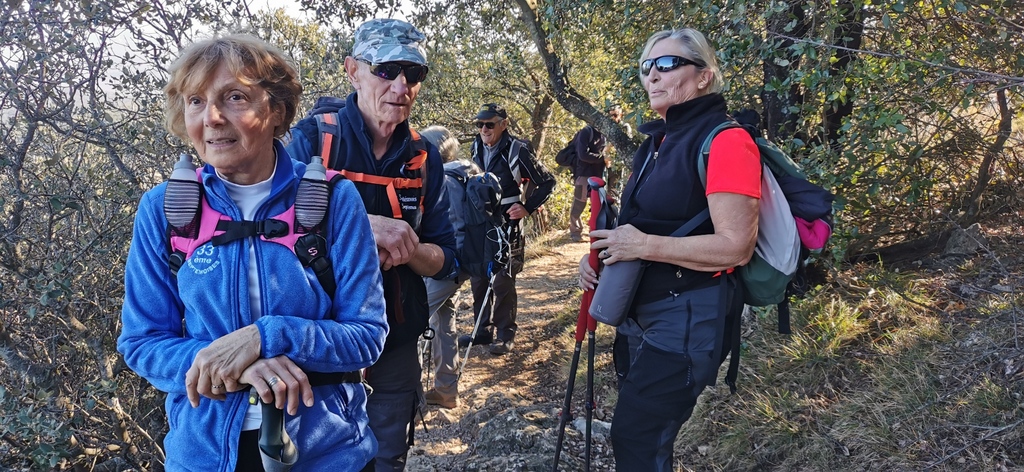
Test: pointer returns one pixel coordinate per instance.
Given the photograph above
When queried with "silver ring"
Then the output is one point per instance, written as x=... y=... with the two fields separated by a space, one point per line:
x=217 y=386
x=273 y=380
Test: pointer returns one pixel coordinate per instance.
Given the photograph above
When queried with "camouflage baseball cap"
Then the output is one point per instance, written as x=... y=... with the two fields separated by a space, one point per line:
x=388 y=40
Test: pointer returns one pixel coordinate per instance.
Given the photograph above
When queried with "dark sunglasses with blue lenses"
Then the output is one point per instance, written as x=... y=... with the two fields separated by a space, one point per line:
x=414 y=73
x=667 y=63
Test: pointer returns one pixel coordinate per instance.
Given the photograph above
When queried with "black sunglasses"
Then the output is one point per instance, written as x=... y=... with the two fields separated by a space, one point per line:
x=667 y=63
x=414 y=73
x=486 y=124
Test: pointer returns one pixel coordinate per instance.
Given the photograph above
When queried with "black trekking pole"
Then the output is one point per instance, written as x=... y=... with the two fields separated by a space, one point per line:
x=599 y=216
x=590 y=403
x=277 y=451
x=476 y=325
x=502 y=261
x=566 y=413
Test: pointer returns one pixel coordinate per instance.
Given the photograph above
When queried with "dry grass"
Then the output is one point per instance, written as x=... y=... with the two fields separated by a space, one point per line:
x=898 y=370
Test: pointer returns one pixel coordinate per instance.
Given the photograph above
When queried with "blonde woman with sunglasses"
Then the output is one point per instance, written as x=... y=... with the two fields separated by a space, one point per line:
x=688 y=301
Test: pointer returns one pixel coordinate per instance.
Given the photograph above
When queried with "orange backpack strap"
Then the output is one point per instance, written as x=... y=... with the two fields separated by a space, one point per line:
x=327 y=124
x=387 y=182
x=420 y=156
x=413 y=170
x=418 y=163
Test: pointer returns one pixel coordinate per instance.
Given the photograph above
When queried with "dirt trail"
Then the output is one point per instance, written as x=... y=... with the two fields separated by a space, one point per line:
x=534 y=373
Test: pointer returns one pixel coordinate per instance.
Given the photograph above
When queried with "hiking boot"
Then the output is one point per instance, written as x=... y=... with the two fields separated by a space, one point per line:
x=437 y=399
x=500 y=347
x=481 y=338
x=576 y=237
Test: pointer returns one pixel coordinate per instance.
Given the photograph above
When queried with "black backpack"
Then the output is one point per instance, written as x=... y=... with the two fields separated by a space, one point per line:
x=475 y=198
x=567 y=156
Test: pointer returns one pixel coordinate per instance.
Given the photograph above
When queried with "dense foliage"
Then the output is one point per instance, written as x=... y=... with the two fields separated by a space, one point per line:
x=905 y=109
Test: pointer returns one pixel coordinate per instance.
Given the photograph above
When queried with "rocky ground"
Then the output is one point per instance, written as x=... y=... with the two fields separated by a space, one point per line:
x=508 y=413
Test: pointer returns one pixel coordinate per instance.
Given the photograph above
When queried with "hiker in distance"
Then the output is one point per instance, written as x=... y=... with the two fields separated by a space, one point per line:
x=679 y=308
x=441 y=292
x=400 y=179
x=512 y=160
x=242 y=314
x=591 y=161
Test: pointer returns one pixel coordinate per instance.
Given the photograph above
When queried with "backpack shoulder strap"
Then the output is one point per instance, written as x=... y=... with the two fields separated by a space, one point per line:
x=311 y=247
x=410 y=184
x=418 y=161
x=327 y=124
x=513 y=160
x=705 y=149
x=309 y=244
x=181 y=243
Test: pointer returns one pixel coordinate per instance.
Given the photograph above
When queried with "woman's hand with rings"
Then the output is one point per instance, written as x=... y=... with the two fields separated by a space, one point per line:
x=624 y=243
x=280 y=381
x=221 y=363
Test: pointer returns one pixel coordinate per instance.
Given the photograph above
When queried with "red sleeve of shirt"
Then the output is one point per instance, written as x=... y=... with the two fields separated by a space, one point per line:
x=734 y=165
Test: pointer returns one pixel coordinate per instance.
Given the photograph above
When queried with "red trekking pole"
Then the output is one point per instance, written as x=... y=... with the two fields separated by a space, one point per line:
x=601 y=212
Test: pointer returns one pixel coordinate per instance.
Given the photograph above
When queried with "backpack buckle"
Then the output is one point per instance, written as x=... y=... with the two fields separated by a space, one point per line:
x=271 y=229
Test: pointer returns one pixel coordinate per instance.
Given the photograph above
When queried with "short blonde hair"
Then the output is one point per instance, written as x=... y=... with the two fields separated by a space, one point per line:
x=697 y=48
x=252 y=60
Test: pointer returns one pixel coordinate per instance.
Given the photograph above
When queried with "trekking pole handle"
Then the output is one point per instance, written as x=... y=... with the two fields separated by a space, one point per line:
x=584 y=321
x=596 y=185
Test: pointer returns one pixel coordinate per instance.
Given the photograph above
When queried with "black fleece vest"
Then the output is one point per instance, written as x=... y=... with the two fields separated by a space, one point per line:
x=669 y=192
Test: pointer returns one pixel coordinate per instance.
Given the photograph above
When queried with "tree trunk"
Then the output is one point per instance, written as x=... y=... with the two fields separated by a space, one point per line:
x=562 y=90
x=779 y=120
x=848 y=37
x=543 y=108
x=985 y=169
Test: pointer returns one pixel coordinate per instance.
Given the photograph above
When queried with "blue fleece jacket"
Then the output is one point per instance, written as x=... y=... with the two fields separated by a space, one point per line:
x=167 y=321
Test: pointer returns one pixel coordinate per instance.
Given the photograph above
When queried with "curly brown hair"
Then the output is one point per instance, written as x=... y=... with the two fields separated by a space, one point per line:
x=252 y=60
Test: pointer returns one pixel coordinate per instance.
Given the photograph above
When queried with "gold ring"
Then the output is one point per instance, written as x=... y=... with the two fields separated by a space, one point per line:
x=273 y=380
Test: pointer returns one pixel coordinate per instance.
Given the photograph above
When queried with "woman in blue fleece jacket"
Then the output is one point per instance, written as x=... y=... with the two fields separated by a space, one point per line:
x=242 y=315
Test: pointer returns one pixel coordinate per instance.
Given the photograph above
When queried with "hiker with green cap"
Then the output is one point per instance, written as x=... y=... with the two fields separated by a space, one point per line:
x=367 y=137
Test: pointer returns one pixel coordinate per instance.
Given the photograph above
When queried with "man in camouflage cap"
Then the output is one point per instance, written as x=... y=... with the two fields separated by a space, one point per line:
x=410 y=224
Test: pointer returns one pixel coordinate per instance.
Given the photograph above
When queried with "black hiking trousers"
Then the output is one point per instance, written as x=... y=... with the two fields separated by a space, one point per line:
x=502 y=306
x=657 y=397
x=673 y=364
